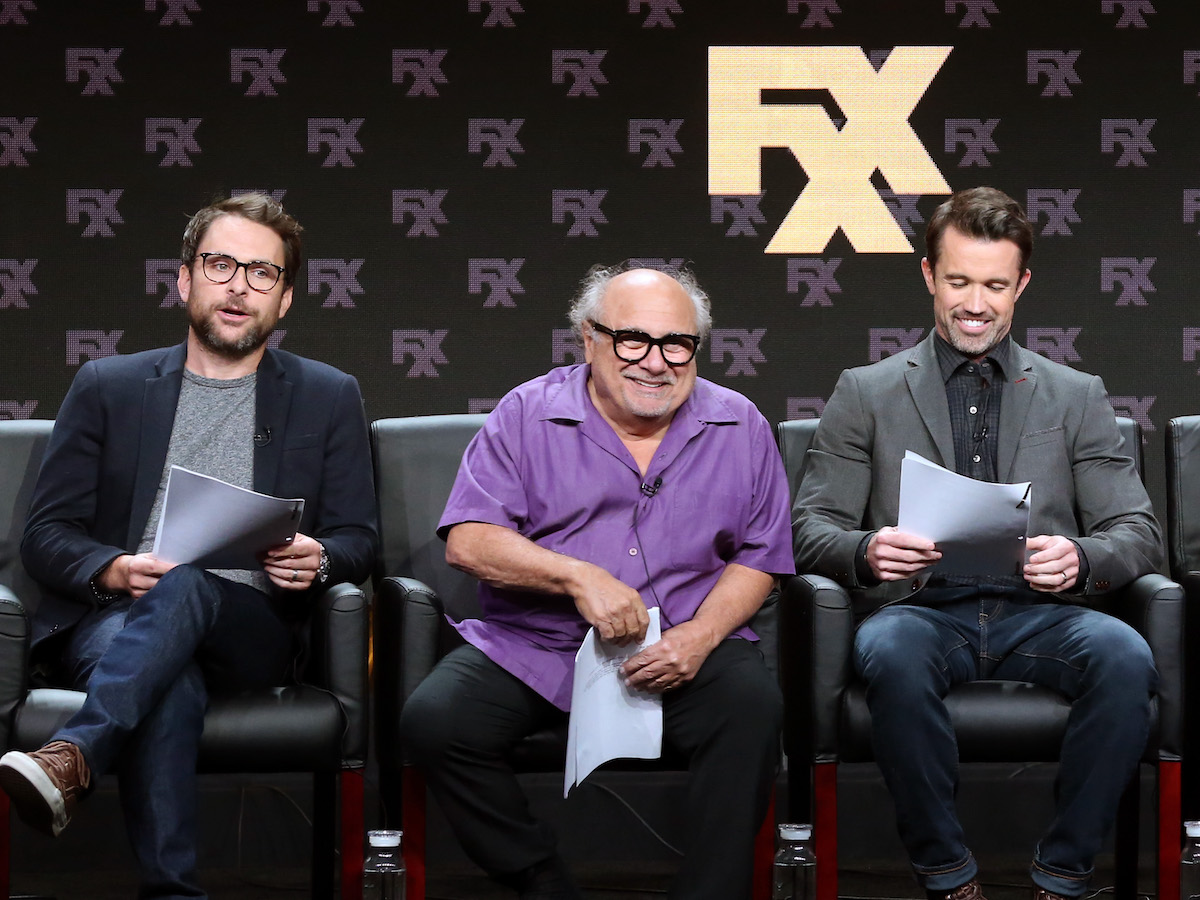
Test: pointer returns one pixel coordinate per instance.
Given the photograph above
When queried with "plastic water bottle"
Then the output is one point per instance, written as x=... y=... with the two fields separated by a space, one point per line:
x=795 y=868
x=383 y=869
x=1189 y=863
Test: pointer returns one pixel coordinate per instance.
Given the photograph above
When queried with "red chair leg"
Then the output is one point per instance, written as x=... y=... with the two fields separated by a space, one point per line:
x=764 y=854
x=825 y=829
x=351 y=837
x=412 y=818
x=1170 y=815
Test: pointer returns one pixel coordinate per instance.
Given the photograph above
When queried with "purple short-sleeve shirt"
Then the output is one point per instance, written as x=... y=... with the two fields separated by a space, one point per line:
x=548 y=465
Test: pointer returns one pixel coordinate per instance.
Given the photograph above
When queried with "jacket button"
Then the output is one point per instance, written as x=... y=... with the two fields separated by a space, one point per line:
x=916 y=585
x=53 y=628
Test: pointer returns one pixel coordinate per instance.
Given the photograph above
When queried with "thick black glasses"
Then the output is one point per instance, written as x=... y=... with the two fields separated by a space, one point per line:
x=260 y=276
x=634 y=346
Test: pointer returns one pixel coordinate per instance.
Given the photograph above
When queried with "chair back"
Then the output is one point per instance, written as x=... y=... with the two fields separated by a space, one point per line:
x=1183 y=496
x=416 y=460
x=1131 y=443
x=794 y=438
x=22 y=446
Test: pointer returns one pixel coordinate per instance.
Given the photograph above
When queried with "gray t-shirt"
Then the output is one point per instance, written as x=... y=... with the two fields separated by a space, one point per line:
x=213 y=434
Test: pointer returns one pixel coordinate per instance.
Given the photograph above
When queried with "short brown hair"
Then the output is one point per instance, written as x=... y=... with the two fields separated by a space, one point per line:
x=260 y=208
x=982 y=213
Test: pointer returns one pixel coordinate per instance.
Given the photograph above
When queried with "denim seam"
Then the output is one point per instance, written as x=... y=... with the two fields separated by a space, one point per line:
x=953 y=867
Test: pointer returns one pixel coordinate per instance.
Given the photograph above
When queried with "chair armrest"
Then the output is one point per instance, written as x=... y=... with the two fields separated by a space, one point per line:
x=409 y=621
x=1154 y=605
x=14 y=661
x=817 y=630
x=338 y=661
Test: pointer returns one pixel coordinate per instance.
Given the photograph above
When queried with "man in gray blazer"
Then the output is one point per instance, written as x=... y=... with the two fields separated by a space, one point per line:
x=969 y=398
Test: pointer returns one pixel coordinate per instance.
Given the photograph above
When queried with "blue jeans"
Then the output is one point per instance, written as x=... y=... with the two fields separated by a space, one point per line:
x=910 y=656
x=148 y=666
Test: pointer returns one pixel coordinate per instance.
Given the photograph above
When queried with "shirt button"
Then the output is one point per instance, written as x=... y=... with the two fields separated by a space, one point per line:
x=633 y=551
x=974 y=409
x=975 y=458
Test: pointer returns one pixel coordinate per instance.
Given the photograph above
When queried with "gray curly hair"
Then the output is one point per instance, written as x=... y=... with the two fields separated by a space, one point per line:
x=590 y=296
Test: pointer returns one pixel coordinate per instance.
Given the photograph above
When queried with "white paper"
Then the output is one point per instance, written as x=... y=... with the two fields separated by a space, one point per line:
x=980 y=527
x=608 y=720
x=217 y=525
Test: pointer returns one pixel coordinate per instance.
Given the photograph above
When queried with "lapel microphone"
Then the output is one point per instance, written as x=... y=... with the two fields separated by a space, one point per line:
x=651 y=489
x=262 y=437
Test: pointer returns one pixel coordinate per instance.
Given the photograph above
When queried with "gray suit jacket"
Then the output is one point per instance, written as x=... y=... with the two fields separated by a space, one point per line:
x=1057 y=430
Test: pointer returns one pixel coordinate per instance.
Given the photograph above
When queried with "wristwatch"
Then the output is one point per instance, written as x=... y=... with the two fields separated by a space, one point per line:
x=323 y=568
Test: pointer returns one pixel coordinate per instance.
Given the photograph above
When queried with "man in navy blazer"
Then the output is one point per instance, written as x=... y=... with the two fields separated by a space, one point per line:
x=149 y=640
x=972 y=400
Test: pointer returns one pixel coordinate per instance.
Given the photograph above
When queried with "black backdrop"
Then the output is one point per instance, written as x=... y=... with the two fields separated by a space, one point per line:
x=459 y=164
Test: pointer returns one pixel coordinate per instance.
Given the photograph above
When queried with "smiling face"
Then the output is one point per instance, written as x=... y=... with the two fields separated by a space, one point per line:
x=640 y=397
x=230 y=323
x=975 y=288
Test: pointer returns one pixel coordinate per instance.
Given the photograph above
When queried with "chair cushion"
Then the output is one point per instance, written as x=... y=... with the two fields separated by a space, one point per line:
x=283 y=729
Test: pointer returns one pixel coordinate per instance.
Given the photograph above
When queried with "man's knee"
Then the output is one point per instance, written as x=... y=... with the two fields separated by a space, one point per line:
x=424 y=727
x=889 y=643
x=1120 y=657
x=744 y=697
x=457 y=709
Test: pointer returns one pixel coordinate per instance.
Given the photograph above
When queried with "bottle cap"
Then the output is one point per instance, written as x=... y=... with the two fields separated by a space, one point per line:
x=1192 y=829
x=384 y=838
x=795 y=832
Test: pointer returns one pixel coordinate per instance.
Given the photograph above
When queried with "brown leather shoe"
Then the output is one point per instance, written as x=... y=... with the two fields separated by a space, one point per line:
x=1043 y=894
x=46 y=784
x=969 y=891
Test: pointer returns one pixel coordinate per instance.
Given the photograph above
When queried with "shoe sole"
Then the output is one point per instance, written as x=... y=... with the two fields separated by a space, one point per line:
x=38 y=802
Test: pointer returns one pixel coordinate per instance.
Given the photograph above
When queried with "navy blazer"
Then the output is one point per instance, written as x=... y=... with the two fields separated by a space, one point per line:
x=105 y=459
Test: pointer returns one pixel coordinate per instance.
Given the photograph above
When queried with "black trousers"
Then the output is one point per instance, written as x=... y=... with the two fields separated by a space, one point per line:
x=460 y=724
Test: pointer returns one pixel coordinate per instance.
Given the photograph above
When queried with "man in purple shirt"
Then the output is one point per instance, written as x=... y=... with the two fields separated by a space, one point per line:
x=590 y=494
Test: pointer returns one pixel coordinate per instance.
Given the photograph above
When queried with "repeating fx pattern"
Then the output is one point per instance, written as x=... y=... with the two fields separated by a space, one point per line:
x=459 y=164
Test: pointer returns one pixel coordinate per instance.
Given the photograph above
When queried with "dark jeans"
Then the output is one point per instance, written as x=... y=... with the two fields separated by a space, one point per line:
x=148 y=666
x=459 y=725
x=910 y=656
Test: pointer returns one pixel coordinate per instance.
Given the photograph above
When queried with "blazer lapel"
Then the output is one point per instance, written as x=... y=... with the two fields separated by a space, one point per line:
x=929 y=394
x=1014 y=407
x=274 y=395
x=159 y=399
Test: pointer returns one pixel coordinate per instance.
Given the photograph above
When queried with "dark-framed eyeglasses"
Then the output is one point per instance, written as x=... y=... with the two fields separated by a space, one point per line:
x=634 y=346
x=260 y=276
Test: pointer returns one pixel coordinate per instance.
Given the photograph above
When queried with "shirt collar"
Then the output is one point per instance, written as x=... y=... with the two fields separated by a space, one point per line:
x=950 y=360
x=570 y=401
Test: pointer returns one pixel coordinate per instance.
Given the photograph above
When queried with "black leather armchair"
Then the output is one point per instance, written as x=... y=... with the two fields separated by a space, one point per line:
x=995 y=721
x=416 y=460
x=1183 y=553
x=319 y=726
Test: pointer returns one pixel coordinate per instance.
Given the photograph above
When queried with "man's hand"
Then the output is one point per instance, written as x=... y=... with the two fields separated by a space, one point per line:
x=132 y=575
x=671 y=662
x=1053 y=565
x=612 y=607
x=895 y=555
x=293 y=566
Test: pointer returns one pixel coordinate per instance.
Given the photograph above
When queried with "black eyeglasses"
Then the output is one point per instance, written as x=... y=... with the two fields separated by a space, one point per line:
x=260 y=276
x=634 y=346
